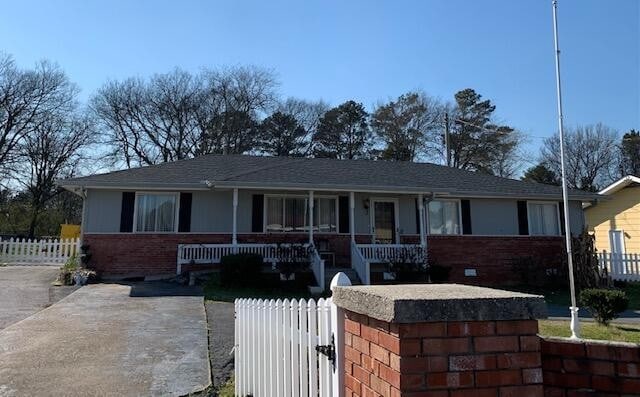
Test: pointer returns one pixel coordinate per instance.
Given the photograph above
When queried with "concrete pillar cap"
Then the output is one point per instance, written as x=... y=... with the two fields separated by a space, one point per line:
x=415 y=303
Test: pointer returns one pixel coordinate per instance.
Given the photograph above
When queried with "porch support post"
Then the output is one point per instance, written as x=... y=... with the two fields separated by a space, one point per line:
x=234 y=237
x=423 y=240
x=310 y=216
x=352 y=219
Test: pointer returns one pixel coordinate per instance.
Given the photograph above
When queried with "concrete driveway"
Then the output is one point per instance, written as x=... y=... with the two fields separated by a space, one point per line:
x=109 y=339
x=24 y=290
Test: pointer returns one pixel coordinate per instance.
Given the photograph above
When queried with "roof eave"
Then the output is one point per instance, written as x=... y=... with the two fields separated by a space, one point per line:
x=77 y=185
x=619 y=184
x=404 y=190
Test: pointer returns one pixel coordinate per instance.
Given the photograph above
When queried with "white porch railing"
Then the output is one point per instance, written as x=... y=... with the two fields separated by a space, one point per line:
x=317 y=266
x=360 y=264
x=624 y=267
x=204 y=254
x=376 y=253
x=38 y=252
x=200 y=254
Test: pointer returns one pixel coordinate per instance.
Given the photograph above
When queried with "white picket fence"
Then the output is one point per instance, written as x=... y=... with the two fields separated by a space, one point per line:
x=275 y=347
x=38 y=252
x=624 y=267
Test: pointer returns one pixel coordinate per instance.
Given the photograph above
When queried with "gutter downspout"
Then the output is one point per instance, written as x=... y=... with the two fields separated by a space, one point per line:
x=83 y=194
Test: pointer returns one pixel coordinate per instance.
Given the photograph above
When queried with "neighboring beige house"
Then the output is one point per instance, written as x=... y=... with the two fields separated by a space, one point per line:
x=615 y=221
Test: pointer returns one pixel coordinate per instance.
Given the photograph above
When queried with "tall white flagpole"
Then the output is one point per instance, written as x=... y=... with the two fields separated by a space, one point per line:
x=575 y=323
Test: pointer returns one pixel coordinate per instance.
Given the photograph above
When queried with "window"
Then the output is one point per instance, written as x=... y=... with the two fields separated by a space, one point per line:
x=289 y=214
x=155 y=212
x=543 y=219
x=325 y=215
x=444 y=217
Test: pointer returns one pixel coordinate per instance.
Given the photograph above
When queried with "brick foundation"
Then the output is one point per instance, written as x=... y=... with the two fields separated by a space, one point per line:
x=590 y=368
x=492 y=257
x=475 y=358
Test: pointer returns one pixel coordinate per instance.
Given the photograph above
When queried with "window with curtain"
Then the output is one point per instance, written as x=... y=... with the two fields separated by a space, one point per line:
x=325 y=216
x=155 y=212
x=289 y=214
x=543 y=219
x=444 y=217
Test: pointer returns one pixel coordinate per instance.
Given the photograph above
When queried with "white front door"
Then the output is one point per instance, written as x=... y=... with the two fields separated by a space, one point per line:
x=616 y=239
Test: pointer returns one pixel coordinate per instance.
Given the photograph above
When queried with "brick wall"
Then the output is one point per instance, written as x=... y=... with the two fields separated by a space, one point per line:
x=590 y=368
x=492 y=257
x=151 y=254
x=438 y=359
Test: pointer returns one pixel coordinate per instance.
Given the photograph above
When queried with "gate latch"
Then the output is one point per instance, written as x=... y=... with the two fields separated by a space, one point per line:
x=329 y=351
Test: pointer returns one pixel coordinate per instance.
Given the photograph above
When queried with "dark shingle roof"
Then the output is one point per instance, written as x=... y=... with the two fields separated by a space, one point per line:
x=287 y=172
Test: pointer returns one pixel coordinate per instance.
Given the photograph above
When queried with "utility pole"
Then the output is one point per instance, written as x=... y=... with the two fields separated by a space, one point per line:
x=447 y=139
x=575 y=323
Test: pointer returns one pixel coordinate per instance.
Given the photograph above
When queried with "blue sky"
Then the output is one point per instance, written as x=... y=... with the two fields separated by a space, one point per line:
x=364 y=50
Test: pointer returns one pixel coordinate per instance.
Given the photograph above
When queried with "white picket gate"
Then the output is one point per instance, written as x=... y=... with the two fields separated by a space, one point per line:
x=275 y=347
x=38 y=252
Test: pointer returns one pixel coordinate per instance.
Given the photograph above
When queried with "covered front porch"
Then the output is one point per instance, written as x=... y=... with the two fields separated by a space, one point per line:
x=354 y=230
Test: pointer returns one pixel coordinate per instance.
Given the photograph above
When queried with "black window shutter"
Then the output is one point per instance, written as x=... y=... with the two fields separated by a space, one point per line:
x=343 y=214
x=184 y=217
x=466 y=216
x=561 y=211
x=418 y=231
x=126 y=212
x=523 y=218
x=257 y=213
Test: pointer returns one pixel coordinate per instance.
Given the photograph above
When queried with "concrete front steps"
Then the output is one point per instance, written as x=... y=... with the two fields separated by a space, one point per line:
x=329 y=272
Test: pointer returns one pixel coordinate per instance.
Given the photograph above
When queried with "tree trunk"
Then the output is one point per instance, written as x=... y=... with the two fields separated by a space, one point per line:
x=33 y=222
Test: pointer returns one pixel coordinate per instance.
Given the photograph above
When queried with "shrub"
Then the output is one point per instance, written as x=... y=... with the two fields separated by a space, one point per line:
x=604 y=304
x=292 y=258
x=585 y=263
x=65 y=277
x=241 y=269
x=408 y=265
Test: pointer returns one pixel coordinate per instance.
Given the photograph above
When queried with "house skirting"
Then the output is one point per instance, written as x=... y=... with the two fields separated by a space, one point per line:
x=490 y=258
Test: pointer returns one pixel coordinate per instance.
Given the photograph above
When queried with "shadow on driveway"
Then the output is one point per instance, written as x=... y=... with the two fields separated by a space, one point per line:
x=151 y=289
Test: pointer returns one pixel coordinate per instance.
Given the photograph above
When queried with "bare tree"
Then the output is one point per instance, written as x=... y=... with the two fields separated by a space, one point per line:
x=53 y=150
x=26 y=98
x=178 y=115
x=590 y=154
x=405 y=125
x=149 y=123
x=308 y=115
x=236 y=98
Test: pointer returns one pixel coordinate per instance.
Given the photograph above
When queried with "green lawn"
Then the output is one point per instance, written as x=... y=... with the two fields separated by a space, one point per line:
x=214 y=290
x=589 y=330
x=227 y=390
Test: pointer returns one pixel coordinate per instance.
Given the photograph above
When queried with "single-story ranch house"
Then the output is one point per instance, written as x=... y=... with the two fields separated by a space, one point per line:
x=185 y=215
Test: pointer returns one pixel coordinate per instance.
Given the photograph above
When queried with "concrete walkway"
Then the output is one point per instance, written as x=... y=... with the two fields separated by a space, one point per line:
x=24 y=290
x=109 y=339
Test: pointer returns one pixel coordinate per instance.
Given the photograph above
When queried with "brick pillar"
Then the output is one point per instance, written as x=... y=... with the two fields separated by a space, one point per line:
x=440 y=340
